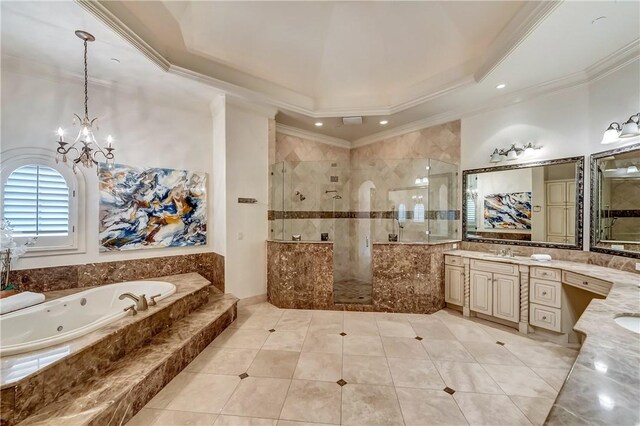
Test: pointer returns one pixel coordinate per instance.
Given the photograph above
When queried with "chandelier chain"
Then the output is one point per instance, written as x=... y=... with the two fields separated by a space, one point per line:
x=86 y=91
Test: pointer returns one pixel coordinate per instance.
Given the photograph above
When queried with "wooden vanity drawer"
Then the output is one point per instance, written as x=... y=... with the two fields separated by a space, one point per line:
x=545 y=317
x=593 y=285
x=496 y=267
x=545 y=273
x=545 y=292
x=453 y=260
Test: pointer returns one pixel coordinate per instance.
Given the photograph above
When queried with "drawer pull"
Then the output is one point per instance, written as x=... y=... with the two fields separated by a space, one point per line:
x=544 y=293
x=585 y=282
x=544 y=317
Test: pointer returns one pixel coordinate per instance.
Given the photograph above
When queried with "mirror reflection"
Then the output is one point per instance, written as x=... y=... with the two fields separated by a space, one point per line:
x=617 y=201
x=534 y=204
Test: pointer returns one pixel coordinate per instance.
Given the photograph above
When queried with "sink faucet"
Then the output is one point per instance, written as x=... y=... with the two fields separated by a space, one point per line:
x=141 y=302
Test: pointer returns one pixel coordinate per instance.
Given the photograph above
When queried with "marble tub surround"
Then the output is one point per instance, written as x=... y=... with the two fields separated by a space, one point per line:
x=293 y=367
x=34 y=379
x=603 y=386
x=407 y=277
x=600 y=259
x=209 y=265
x=118 y=392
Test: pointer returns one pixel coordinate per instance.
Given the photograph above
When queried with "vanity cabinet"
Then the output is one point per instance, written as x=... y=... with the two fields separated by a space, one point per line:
x=495 y=290
x=454 y=281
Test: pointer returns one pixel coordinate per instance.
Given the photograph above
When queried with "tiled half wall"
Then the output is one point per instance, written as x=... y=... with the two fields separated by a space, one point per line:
x=209 y=265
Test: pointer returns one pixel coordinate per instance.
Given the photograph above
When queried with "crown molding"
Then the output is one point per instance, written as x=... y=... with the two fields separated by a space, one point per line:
x=112 y=21
x=313 y=136
x=513 y=34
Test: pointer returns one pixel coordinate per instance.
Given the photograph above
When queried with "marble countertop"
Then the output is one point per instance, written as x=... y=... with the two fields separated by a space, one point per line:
x=300 y=242
x=603 y=386
x=417 y=243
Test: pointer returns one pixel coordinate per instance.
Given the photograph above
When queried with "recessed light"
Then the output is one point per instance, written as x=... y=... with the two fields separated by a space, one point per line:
x=501 y=86
x=318 y=123
x=384 y=122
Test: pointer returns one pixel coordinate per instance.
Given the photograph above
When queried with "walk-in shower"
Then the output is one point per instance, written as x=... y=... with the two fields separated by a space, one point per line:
x=359 y=204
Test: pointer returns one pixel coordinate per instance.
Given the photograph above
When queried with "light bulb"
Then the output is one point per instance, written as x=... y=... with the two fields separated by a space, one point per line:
x=496 y=157
x=612 y=134
x=632 y=169
x=109 y=141
x=425 y=180
x=60 y=132
x=85 y=131
x=417 y=181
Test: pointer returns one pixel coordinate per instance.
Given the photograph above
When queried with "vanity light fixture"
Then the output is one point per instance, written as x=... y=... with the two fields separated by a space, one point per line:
x=632 y=169
x=87 y=145
x=615 y=131
x=513 y=152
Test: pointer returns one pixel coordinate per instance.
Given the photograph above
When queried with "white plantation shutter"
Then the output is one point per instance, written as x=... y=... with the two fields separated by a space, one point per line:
x=36 y=202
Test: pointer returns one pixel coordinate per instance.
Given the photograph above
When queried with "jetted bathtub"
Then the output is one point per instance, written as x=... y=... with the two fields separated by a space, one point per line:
x=72 y=316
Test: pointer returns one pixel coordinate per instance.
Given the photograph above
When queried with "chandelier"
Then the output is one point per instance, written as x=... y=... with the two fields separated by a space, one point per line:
x=85 y=146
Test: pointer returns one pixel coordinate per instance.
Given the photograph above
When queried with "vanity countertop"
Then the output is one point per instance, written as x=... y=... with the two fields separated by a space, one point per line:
x=417 y=243
x=603 y=386
x=299 y=242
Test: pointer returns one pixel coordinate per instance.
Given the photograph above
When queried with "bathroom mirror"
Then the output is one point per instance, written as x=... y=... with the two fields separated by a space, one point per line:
x=615 y=201
x=536 y=204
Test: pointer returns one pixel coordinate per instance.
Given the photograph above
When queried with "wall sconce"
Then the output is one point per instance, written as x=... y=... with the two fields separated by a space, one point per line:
x=615 y=131
x=422 y=180
x=513 y=153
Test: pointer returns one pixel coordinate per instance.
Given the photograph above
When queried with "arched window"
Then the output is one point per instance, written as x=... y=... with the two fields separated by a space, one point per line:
x=39 y=201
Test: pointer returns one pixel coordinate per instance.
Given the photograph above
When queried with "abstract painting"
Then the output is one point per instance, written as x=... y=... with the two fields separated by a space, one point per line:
x=151 y=208
x=508 y=211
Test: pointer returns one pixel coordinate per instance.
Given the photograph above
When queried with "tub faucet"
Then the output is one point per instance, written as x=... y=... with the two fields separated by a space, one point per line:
x=141 y=302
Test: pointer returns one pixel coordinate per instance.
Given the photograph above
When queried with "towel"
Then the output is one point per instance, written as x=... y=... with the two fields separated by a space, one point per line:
x=20 y=301
x=541 y=257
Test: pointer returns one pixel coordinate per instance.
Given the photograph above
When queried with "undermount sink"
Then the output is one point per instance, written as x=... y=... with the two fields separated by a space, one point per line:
x=629 y=322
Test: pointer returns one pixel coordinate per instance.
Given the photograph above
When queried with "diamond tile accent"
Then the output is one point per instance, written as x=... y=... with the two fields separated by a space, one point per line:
x=341 y=382
x=418 y=338
x=243 y=376
x=449 y=390
x=272 y=330
x=343 y=334
x=500 y=343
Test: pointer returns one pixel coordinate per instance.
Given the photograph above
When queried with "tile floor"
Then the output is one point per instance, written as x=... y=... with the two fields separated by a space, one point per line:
x=294 y=367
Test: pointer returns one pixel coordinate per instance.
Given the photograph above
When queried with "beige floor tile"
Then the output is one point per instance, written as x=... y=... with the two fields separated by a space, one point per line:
x=362 y=345
x=536 y=409
x=313 y=401
x=395 y=328
x=555 y=377
x=243 y=421
x=366 y=370
x=520 y=381
x=447 y=350
x=485 y=410
x=403 y=347
x=294 y=321
x=200 y=393
x=222 y=360
x=295 y=423
x=491 y=353
x=325 y=328
x=422 y=407
x=467 y=377
x=370 y=405
x=317 y=366
x=258 y=397
x=544 y=355
x=144 y=417
x=323 y=343
x=183 y=418
x=432 y=330
x=360 y=327
x=469 y=332
x=241 y=338
x=327 y=317
x=278 y=364
x=285 y=341
x=261 y=321
x=415 y=373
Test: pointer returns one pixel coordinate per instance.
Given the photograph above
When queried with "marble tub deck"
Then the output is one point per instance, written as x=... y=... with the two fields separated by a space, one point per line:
x=604 y=384
x=282 y=366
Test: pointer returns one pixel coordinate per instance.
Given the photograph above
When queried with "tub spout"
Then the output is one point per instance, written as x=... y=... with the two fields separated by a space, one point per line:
x=141 y=302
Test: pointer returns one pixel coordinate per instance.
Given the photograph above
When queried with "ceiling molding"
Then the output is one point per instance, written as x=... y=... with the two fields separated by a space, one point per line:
x=513 y=34
x=112 y=21
x=600 y=69
x=313 y=136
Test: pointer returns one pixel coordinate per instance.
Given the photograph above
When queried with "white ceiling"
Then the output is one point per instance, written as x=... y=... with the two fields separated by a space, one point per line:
x=404 y=61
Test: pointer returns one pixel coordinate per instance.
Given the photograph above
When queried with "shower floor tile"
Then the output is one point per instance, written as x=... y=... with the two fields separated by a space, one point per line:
x=352 y=292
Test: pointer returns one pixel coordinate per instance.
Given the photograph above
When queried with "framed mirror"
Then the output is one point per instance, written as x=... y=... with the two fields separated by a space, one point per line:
x=615 y=201
x=534 y=204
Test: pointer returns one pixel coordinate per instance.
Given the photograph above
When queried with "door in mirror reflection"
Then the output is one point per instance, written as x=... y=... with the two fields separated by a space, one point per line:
x=525 y=204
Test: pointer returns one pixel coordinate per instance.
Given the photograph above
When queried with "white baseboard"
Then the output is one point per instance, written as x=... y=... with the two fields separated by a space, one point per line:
x=253 y=300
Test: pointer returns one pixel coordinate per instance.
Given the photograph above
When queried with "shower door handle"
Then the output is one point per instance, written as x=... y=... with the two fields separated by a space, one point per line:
x=366 y=241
